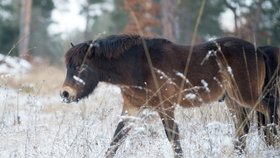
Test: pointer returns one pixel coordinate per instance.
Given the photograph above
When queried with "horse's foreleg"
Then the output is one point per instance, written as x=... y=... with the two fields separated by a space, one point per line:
x=124 y=127
x=119 y=135
x=171 y=130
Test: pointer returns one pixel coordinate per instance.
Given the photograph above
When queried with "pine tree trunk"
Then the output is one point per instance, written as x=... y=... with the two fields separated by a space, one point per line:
x=25 y=22
x=168 y=19
x=256 y=25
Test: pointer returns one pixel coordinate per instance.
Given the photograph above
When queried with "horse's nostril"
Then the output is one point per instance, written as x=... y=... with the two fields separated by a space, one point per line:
x=65 y=94
x=68 y=94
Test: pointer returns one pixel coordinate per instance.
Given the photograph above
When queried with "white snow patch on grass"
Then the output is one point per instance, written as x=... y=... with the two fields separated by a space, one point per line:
x=13 y=65
x=41 y=126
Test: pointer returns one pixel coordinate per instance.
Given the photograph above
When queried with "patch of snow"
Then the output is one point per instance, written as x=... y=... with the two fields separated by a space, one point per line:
x=190 y=96
x=48 y=128
x=78 y=79
x=161 y=73
x=181 y=75
x=210 y=53
x=13 y=65
x=139 y=87
x=219 y=83
x=218 y=46
x=205 y=85
x=229 y=70
x=164 y=76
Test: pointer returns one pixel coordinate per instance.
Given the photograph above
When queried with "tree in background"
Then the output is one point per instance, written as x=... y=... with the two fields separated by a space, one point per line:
x=111 y=22
x=257 y=21
x=9 y=30
x=24 y=27
x=169 y=20
x=262 y=22
x=210 y=24
x=91 y=10
x=174 y=19
x=42 y=44
x=272 y=23
x=89 y=16
x=119 y=20
x=232 y=5
x=142 y=16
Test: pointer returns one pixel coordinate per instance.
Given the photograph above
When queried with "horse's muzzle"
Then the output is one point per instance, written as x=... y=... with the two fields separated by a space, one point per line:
x=68 y=94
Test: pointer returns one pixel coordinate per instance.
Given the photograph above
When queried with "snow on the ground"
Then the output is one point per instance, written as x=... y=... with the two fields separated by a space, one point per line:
x=13 y=65
x=42 y=126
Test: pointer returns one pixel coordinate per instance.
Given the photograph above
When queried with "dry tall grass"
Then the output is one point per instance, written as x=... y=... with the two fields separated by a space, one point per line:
x=42 y=79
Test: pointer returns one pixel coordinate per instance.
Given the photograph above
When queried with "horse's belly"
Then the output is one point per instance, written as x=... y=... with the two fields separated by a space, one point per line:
x=201 y=96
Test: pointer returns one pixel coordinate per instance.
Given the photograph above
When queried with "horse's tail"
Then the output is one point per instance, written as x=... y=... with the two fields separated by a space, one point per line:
x=271 y=89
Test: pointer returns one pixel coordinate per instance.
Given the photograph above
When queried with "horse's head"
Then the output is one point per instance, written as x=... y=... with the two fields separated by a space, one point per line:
x=113 y=59
x=82 y=74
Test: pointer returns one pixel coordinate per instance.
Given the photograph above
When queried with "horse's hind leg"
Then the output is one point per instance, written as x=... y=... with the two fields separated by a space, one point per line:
x=241 y=123
x=262 y=126
x=119 y=135
x=171 y=130
x=268 y=123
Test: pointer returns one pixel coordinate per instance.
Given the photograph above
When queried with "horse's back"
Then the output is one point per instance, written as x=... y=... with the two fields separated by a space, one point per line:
x=246 y=69
x=241 y=69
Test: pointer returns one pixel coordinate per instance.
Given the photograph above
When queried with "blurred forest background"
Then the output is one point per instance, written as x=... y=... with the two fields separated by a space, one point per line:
x=27 y=27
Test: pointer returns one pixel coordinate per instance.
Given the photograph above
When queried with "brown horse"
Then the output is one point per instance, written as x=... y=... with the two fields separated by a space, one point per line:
x=270 y=97
x=156 y=73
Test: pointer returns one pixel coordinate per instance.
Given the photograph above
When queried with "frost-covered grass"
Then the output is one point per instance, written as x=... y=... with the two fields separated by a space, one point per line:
x=34 y=123
x=13 y=65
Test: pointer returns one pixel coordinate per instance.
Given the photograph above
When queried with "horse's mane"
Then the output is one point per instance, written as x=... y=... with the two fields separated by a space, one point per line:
x=113 y=46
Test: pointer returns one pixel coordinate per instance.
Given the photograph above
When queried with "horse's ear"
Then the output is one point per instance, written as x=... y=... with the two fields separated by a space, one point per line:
x=92 y=49
x=72 y=45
